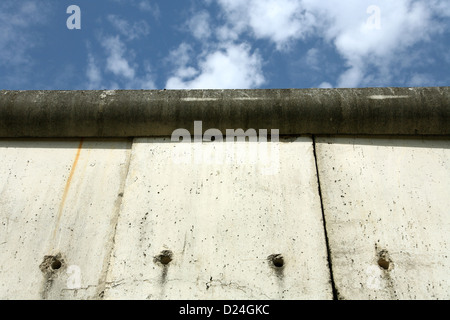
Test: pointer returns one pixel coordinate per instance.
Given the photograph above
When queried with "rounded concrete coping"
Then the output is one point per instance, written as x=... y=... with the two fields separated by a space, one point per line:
x=145 y=113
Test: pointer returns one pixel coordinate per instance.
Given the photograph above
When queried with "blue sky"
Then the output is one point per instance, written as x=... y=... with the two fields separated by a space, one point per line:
x=224 y=44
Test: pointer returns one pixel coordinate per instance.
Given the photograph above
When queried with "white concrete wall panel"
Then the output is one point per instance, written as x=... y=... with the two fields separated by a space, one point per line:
x=113 y=213
x=386 y=204
x=216 y=212
x=58 y=199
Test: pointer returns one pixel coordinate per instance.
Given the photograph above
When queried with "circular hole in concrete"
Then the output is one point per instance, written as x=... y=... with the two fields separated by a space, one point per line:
x=165 y=260
x=165 y=257
x=56 y=264
x=383 y=263
x=278 y=260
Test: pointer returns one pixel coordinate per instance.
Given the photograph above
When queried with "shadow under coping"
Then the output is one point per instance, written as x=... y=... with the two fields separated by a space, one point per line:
x=67 y=143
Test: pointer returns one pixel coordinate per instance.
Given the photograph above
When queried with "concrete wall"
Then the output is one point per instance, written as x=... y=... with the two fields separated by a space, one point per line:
x=352 y=202
x=386 y=203
x=302 y=218
x=149 y=113
x=58 y=199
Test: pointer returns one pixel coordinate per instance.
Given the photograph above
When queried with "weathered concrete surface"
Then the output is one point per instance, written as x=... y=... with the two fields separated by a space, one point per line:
x=107 y=211
x=60 y=199
x=155 y=219
x=397 y=111
x=218 y=220
x=386 y=205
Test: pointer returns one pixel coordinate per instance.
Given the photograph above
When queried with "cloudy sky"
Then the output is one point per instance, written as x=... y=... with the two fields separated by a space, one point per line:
x=223 y=44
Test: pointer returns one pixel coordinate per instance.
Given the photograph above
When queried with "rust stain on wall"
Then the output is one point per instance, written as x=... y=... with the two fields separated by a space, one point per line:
x=67 y=187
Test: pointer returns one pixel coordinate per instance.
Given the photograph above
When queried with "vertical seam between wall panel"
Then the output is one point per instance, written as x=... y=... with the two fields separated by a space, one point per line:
x=102 y=282
x=330 y=265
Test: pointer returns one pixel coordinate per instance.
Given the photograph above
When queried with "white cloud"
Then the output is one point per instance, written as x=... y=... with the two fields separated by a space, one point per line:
x=143 y=5
x=181 y=55
x=116 y=62
x=325 y=85
x=180 y=58
x=93 y=73
x=422 y=80
x=347 y=25
x=131 y=31
x=226 y=33
x=119 y=68
x=280 y=21
x=352 y=77
x=151 y=7
x=403 y=23
x=312 y=58
x=199 y=25
x=146 y=81
x=119 y=62
x=17 y=36
x=230 y=67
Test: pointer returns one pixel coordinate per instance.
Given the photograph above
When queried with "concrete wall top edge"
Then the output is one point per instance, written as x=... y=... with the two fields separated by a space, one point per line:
x=148 y=113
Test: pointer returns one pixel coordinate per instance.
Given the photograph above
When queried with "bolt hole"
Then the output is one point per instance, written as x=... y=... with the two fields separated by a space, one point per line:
x=277 y=260
x=51 y=264
x=56 y=264
x=164 y=257
x=383 y=263
x=165 y=260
